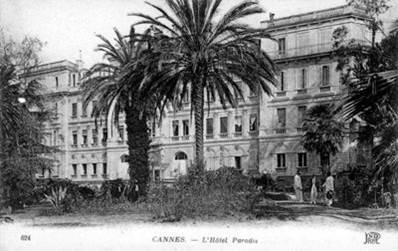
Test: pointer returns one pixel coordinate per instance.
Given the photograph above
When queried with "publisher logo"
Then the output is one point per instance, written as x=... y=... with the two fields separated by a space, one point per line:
x=372 y=238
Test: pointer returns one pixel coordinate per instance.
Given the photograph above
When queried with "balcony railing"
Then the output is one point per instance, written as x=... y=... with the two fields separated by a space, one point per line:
x=325 y=88
x=280 y=130
x=223 y=135
x=305 y=50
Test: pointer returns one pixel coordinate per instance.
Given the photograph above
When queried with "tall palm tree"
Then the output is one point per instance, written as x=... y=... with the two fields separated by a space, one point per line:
x=116 y=96
x=202 y=55
x=323 y=133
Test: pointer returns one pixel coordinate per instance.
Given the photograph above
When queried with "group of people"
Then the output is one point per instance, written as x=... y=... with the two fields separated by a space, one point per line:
x=328 y=185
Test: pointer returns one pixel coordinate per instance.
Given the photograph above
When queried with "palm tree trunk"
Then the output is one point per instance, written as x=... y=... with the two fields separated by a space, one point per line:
x=198 y=102
x=138 y=146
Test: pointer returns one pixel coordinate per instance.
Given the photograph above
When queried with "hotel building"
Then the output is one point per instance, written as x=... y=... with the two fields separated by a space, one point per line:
x=262 y=134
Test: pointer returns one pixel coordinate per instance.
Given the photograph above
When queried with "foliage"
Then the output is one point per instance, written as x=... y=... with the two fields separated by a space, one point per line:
x=115 y=96
x=21 y=148
x=220 y=193
x=198 y=54
x=118 y=189
x=371 y=76
x=373 y=8
x=57 y=197
x=323 y=132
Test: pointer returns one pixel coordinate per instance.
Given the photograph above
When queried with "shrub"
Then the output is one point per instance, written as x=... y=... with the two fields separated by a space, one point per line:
x=212 y=193
x=115 y=189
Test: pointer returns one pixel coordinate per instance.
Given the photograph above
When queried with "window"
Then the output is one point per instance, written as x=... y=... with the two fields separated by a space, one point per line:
x=95 y=137
x=56 y=82
x=253 y=122
x=121 y=132
x=104 y=134
x=84 y=169
x=185 y=98
x=238 y=124
x=281 y=160
x=94 y=105
x=74 y=169
x=238 y=162
x=55 y=132
x=209 y=126
x=84 y=137
x=185 y=127
x=74 y=110
x=302 y=159
x=175 y=125
x=281 y=112
x=254 y=91
x=325 y=76
x=224 y=125
x=94 y=168
x=56 y=109
x=74 y=138
x=301 y=115
x=210 y=97
x=84 y=111
x=303 y=82
x=104 y=169
x=281 y=46
x=156 y=175
x=282 y=76
x=74 y=80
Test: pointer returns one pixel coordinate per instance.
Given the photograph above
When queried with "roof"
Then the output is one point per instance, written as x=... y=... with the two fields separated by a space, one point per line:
x=340 y=11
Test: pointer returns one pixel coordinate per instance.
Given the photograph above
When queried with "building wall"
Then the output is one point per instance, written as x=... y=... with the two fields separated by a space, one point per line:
x=308 y=46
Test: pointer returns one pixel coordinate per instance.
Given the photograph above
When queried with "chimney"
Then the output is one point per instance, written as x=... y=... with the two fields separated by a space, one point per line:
x=271 y=17
x=79 y=61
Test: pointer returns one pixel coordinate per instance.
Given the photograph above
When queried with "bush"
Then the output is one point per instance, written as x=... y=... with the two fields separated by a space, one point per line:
x=212 y=193
x=353 y=189
x=118 y=188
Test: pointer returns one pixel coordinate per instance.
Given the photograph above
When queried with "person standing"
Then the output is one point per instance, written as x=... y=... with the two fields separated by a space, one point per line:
x=298 y=188
x=329 y=189
x=314 y=190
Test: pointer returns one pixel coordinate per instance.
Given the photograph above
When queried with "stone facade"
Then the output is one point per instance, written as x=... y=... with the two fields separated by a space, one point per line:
x=262 y=134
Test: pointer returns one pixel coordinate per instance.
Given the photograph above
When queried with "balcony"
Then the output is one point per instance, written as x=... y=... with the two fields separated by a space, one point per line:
x=280 y=130
x=301 y=91
x=105 y=176
x=281 y=94
x=209 y=136
x=73 y=146
x=94 y=144
x=281 y=169
x=300 y=130
x=238 y=134
x=224 y=135
x=84 y=145
x=325 y=88
x=253 y=133
x=306 y=50
x=93 y=176
x=103 y=143
x=175 y=138
x=74 y=176
x=84 y=175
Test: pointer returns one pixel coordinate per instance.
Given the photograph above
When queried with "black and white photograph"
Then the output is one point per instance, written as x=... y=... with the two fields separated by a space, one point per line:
x=199 y=125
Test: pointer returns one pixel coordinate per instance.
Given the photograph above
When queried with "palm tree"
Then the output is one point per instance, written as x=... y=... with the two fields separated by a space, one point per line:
x=323 y=133
x=21 y=146
x=116 y=96
x=199 y=55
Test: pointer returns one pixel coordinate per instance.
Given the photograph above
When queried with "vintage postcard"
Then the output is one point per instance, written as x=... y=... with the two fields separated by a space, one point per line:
x=198 y=125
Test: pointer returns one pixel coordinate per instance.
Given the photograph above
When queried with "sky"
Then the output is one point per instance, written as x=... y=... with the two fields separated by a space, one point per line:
x=70 y=26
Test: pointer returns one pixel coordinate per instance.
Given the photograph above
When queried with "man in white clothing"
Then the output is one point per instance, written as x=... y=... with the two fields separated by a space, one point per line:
x=329 y=189
x=298 y=188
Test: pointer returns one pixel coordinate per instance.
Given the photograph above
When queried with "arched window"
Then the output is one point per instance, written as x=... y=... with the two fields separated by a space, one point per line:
x=181 y=156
